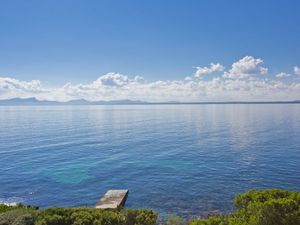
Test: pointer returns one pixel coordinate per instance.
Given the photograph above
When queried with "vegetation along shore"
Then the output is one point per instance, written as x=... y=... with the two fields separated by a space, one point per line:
x=256 y=207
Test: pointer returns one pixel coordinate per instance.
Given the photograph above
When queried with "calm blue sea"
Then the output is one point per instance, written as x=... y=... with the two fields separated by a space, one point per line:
x=176 y=159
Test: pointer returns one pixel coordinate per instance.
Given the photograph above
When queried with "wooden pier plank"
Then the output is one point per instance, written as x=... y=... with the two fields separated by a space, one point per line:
x=112 y=199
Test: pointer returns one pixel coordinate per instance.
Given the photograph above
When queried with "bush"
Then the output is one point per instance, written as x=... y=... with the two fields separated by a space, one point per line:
x=16 y=217
x=175 y=220
x=54 y=216
x=214 y=220
x=261 y=207
x=142 y=217
x=87 y=216
x=268 y=207
x=28 y=215
x=94 y=216
x=5 y=208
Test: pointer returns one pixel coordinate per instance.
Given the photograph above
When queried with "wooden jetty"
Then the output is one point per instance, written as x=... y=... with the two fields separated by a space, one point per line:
x=112 y=199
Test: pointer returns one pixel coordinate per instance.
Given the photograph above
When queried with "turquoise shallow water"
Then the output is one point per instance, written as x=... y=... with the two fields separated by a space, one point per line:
x=176 y=159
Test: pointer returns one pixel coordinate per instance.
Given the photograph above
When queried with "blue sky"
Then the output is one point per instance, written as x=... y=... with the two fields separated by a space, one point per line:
x=57 y=42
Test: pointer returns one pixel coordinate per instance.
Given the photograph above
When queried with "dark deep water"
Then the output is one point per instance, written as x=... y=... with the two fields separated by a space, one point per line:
x=176 y=159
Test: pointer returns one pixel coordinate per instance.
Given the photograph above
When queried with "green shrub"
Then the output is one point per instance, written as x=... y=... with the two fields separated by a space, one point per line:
x=261 y=207
x=16 y=217
x=5 y=208
x=175 y=220
x=87 y=216
x=214 y=220
x=54 y=216
x=145 y=217
x=140 y=217
x=268 y=207
x=256 y=207
x=96 y=216
x=28 y=215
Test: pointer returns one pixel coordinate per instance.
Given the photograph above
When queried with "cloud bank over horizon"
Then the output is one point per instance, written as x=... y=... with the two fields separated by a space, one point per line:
x=247 y=80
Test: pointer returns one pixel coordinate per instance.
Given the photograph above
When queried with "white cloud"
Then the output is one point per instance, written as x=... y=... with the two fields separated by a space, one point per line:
x=139 y=79
x=207 y=70
x=282 y=75
x=188 y=78
x=116 y=86
x=246 y=67
x=112 y=79
x=10 y=87
x=297 y=70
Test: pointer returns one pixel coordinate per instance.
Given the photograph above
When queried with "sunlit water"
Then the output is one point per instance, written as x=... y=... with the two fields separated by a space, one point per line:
x=176 y=159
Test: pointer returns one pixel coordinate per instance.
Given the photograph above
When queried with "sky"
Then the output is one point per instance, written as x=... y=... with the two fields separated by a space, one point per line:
x=187 y=50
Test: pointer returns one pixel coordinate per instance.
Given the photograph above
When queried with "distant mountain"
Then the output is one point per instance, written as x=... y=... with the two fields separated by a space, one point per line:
x=34 y=101
x=119 y=102
x=26 y=101
x=75 y=102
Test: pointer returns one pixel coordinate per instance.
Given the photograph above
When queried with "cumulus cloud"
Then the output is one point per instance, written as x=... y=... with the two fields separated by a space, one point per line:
x=282 y=75
x=112 y=79
x=10 y=87
x=240 y=83
x=207 y=70
x=246 y=67
x=217 y=88
x=297 y=70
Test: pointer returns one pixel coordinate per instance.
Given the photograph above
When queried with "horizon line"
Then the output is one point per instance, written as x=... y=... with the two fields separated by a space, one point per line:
x=35 y=101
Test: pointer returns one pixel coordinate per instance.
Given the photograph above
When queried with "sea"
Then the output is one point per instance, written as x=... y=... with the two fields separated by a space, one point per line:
x=187 y=160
